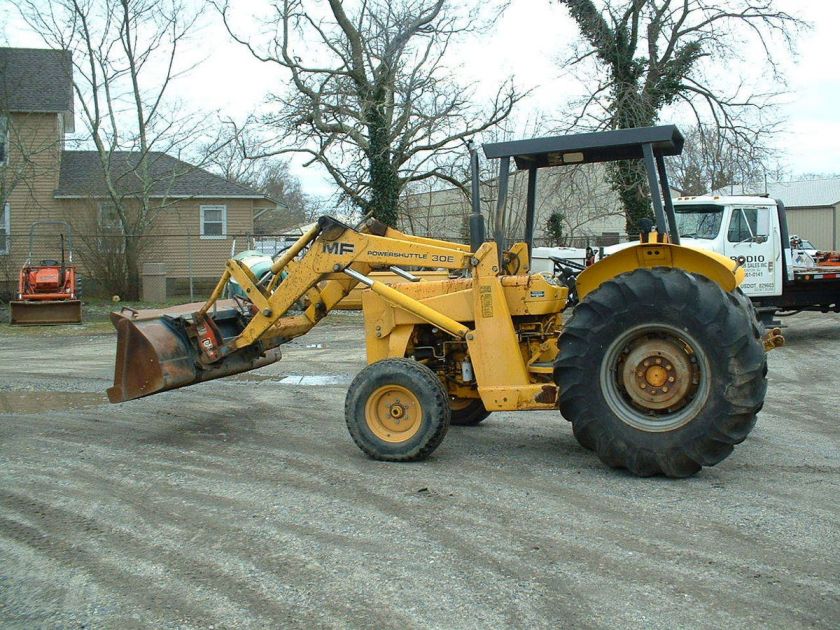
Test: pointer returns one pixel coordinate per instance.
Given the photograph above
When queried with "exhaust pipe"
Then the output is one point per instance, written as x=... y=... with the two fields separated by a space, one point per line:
x=158 y=354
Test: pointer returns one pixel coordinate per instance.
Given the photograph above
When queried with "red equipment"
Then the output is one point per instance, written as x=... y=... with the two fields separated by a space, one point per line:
x=827 y=259
x=47 y=292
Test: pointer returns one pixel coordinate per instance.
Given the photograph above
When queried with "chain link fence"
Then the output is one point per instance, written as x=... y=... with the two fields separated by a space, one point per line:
x=193 y=262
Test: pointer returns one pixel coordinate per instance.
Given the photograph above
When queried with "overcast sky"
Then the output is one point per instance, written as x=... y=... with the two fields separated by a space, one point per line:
x=527 y=43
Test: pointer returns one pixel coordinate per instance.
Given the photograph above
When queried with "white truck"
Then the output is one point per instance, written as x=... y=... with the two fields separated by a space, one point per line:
x=753 y=231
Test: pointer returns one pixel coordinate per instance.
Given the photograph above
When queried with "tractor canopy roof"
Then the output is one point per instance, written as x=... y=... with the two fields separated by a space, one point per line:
x=584 y=148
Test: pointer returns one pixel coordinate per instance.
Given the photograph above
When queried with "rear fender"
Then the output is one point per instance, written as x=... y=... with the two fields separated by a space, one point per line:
x=727 y=273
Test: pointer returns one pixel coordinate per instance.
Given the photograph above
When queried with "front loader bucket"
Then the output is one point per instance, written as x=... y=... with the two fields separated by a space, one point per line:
x=157 y=354
x=32 y=313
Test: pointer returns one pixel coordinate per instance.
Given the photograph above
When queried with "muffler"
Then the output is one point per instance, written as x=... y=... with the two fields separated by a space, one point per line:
x=161 y=353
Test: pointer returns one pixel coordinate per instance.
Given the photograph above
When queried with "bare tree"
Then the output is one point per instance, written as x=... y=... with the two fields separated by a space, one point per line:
x=371 y=99
x=652 y=54
x=583 y=203
x=581 y=200
x=268 y=175
x=427 y=210
x=710 y=161
x=125 y=59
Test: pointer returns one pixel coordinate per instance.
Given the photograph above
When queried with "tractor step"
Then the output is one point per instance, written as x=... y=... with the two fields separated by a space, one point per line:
x=41 y=313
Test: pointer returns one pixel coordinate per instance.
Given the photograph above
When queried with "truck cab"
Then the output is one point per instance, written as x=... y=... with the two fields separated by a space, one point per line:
x=753 y=231
x=746 y=229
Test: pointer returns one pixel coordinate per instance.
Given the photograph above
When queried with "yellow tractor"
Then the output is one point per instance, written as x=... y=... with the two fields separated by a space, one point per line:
x=660 y=368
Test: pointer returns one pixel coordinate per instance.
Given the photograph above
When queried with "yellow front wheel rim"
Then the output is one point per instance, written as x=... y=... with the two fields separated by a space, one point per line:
x=393 y=413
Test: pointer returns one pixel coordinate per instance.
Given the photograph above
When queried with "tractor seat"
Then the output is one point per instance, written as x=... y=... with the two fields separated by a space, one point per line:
x=49 y=262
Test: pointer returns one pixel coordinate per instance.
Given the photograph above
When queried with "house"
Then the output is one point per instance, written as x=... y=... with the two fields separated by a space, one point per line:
x=198 y=215
x=813 y=207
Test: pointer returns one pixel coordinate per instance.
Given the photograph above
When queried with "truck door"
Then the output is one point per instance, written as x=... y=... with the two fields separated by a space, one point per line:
x=751 y=241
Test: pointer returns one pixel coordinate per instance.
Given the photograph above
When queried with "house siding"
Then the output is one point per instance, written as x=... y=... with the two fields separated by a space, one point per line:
x=33 y=138
x=174 y=238
x=177 y=241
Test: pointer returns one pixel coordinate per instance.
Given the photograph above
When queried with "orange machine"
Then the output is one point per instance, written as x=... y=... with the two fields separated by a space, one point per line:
x=47 y=291
x=827 y=259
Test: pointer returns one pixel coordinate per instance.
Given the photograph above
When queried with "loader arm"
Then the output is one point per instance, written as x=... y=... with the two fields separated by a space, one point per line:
x=319 y=275
x=322 y=267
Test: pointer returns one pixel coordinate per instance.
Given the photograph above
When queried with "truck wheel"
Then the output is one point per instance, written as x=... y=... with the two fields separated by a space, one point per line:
x=397 y=410
x=660 y=371
x=467 y=412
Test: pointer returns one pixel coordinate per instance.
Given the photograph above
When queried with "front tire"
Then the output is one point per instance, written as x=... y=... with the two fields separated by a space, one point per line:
x=397 y=410
x=660 y=371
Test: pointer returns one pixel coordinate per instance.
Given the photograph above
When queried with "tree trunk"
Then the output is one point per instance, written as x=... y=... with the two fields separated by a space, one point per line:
x=385 y=194
x=384 y=177
x=628 y=177
x=629 y=181
x=132 y=268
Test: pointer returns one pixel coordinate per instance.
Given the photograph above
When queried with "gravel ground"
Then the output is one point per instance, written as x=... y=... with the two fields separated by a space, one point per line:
x=243 y=503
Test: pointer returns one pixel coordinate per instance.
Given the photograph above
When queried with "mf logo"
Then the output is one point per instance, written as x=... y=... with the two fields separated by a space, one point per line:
x=338 y=248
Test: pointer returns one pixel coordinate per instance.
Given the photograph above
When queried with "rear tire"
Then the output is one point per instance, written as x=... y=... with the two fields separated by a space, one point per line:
x=661 y=372
x=467 y=412
x=397 y=410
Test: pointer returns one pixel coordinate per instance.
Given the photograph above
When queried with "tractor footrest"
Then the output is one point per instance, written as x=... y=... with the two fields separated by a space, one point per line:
x=41 y=313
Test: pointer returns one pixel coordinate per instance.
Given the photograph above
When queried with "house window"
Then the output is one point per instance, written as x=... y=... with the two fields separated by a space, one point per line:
x=4 y=139
x=213 y=221
x=110 y=229
x=5 y=221
x=109 y=219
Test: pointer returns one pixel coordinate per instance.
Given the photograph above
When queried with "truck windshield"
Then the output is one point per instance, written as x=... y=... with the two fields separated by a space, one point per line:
x=699 y=221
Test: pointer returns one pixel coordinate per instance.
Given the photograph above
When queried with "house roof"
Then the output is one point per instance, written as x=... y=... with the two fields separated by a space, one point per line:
x=798 y=194
x=37 y=80
x=81 y=175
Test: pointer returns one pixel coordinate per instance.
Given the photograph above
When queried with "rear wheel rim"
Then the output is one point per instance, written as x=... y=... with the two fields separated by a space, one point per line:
x=393 y=413
x=655 y=377
x=459 y=404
